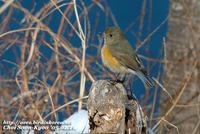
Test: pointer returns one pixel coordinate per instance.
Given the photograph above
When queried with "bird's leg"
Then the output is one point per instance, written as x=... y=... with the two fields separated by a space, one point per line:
x=121 y=78
x=115 y=81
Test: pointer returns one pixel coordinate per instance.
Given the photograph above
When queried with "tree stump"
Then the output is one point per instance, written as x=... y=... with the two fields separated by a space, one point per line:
x=111 y=111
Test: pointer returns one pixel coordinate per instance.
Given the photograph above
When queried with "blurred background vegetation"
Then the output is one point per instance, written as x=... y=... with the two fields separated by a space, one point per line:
x=50 y=55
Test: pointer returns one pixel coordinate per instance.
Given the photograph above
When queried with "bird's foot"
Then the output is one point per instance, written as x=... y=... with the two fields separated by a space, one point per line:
x=114 y=82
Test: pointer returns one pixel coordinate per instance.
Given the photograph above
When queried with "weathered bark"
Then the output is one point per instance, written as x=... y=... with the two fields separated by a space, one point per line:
x=110 y=110
x=182 y=50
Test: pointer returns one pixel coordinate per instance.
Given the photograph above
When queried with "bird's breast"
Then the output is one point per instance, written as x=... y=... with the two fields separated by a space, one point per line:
x=110 y=61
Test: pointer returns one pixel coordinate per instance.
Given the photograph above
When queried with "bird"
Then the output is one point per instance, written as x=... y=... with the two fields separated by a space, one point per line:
x=118 y=55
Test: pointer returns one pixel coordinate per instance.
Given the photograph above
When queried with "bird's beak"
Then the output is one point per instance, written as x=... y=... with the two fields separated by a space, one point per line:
x=101 y=37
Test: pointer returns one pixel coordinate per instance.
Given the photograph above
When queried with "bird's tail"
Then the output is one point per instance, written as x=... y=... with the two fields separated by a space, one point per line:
x=144 y=77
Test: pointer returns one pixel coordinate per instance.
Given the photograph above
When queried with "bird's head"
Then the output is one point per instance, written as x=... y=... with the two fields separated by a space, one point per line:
x=113 y=35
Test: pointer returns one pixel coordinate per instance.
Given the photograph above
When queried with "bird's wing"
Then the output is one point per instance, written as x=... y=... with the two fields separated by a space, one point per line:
x=126 y=55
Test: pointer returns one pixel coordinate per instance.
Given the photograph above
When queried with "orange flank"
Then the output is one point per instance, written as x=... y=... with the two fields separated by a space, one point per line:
x=110 y=61
x=109 y=58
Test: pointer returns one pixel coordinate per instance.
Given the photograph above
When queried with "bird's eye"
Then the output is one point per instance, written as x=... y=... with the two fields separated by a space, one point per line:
x=110 y=35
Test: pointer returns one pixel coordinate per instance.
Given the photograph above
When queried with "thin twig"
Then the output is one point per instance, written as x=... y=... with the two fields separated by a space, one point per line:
x=83 y=41
x=63 y=106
